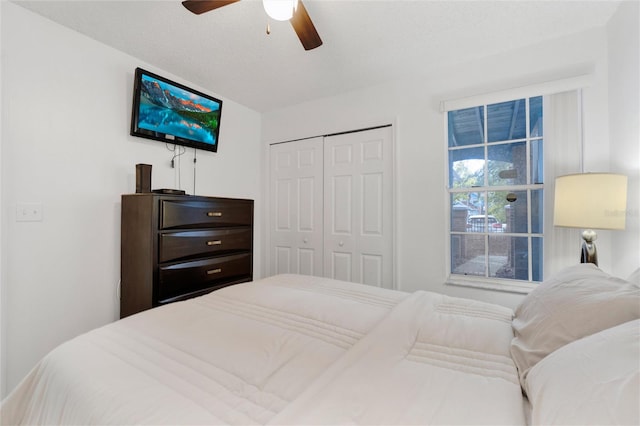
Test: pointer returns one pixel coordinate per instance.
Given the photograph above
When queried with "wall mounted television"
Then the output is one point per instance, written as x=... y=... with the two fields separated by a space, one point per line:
x=170 y=112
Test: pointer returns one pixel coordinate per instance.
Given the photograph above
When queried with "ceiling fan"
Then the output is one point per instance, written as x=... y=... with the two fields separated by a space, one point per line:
x=295 y=12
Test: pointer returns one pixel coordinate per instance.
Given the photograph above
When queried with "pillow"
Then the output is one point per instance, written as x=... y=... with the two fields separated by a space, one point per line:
x=576 y=302
x=594 y=380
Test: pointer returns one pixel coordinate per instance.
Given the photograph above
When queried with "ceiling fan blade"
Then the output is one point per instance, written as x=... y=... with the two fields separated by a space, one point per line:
x=202 y=6
x=305 y=29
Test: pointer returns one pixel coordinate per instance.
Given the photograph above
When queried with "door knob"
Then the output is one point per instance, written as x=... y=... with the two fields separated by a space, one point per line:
x=341 y=243
x=305 y=241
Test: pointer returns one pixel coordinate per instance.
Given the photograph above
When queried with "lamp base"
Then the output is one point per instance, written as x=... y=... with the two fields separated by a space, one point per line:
x=589 y=253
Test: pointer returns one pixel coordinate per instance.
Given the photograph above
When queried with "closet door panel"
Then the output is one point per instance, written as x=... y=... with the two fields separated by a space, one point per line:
x=371 y=269
x=359 y=207
x=307 y=204
x=296 y=207
x=331 y=208
x=341 y=266
x=284 y=197
x=282 y=259
x=373 y=204
x=342 y=201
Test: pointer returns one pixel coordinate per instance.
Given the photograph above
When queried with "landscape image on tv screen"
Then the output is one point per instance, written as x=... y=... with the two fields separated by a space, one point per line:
x=171 y=110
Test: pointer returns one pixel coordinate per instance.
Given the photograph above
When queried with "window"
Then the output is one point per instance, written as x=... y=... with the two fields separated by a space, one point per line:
x=495 y=189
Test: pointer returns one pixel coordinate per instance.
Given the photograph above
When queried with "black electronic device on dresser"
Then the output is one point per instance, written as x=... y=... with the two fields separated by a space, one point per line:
x=174 y=247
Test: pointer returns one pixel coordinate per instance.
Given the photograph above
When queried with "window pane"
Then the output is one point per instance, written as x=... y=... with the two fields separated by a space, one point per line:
x=466 y=126
x=499 y=251
x=510 y=208
x=535 y=116
x=466 y=167
x=507 y=164
x=508 y=257
x=459 y=212
x=506 y=121
x=485 y=223
x=468 y=255
x=537 y=209
x=537 y=263
x=476 y=206
x=537 y=161
x=520 y=258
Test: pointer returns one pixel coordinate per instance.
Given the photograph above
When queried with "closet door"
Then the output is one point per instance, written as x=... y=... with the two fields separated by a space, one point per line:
x=296 y=207
x=358 y=206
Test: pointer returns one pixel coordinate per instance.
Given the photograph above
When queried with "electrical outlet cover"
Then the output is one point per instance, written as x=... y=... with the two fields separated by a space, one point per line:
x=29 y=212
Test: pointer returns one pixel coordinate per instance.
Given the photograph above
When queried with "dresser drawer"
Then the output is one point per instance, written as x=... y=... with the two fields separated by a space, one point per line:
x=204 y=214
x=185 y=244
x=187 y=277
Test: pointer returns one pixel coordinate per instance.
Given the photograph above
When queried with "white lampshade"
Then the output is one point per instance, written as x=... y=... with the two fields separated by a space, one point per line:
x=280 y=10
x=591 y=200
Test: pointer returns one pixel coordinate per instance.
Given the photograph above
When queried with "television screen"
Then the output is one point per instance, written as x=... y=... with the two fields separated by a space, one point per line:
x=170 y=112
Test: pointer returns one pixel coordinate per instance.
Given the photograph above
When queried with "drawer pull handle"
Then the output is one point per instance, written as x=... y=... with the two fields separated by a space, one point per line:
x=214 y=243
x=214 y=271
x=214 y=214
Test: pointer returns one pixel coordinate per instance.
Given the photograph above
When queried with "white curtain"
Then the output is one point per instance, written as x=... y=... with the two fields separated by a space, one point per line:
x=562 y=155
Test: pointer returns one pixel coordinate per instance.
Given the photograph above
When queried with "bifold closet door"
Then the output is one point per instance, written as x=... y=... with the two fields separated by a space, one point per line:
x=358 y=207
x=296 y=207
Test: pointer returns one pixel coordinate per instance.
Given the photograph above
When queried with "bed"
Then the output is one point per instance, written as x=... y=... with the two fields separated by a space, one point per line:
x=292 y=349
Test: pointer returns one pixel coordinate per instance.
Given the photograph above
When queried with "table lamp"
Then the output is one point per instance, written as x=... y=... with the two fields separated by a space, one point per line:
x=588 y=201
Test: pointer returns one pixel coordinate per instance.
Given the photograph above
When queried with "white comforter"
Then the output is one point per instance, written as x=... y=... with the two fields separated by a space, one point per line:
x=286 y=349
x=433 y=360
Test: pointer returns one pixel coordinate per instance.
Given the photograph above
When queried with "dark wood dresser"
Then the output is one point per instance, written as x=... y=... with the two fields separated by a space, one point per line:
x=174 y=247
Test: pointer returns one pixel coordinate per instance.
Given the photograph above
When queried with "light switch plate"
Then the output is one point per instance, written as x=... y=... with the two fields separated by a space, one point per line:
x=29 y=212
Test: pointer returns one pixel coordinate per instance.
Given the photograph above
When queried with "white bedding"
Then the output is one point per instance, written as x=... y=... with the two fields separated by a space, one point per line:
x=434 y=360
x=235 y=356
x=284 y=350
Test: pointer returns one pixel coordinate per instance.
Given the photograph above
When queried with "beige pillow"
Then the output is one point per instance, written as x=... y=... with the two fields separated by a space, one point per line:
x=576 y=302
x=592 y=381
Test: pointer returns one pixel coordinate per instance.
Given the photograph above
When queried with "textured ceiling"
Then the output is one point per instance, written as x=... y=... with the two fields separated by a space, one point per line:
x=228 y=52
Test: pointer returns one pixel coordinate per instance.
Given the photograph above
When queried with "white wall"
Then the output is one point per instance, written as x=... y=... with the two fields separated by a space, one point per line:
x=624 y=115
x=2 y=218
x=66 y=109
x=420 y=140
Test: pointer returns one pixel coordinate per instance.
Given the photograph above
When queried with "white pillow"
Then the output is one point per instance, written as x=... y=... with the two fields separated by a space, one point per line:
x=594 y=380
x=576 y=302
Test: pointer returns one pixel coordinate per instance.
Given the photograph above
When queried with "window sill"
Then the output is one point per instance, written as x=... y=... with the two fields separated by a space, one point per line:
x=509 y=286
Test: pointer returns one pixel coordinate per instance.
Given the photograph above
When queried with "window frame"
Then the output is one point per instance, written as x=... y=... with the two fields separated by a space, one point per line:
x=574 y=83
x=487 y=281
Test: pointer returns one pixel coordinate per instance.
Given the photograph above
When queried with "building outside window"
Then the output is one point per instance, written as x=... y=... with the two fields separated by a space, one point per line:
x=496 y=190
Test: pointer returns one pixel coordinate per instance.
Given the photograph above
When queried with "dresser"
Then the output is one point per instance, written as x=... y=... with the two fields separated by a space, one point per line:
x=174 y=247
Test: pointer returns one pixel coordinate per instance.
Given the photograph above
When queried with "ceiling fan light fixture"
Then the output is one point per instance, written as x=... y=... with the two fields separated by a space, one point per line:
x=280 y=10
